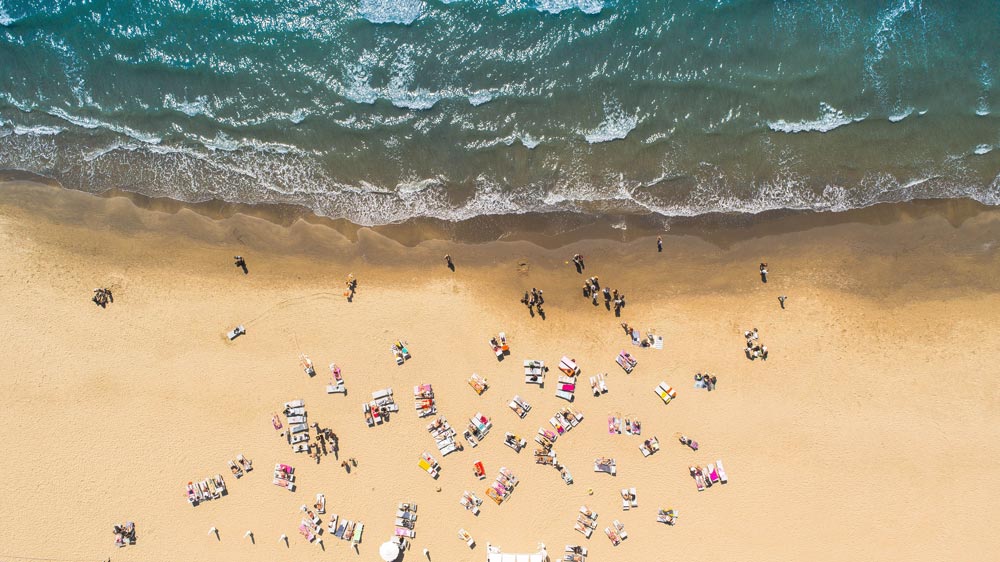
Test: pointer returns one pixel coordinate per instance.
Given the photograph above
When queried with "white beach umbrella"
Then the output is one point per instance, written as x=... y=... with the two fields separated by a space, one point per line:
x=389 y=551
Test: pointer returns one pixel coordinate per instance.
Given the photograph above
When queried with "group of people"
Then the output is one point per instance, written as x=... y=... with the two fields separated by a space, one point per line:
x=102 y=297
x=592 y=289
x=754 y=348
x=319 y=448
x=706 y=381
x=533 y=300
x=125 y=534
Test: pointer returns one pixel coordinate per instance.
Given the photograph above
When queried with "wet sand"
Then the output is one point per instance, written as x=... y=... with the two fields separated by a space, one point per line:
x=870 y=431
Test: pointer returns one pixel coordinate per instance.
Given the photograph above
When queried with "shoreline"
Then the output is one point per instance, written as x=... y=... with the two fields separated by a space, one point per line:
x=548 y=230
x=860 y=416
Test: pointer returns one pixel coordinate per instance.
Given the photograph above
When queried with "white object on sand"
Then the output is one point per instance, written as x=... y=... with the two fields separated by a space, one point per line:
x=214 y=531
x=389 y=551
x=248 y=534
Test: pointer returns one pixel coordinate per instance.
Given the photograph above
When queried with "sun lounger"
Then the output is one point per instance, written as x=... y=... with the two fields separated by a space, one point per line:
x=290 y=486
x=295 y=404
x=565 y=395
x=614 y=425
x=560 y=429
x=477 y=383
x=212 y=490
x=576 y=549
x=296 y=419
x=300 y=448
x=649 y=447
x=449 y=449
x=236 y=332
x=406 y=515
x=601 y=383
x=298 y=428
x=605 y=465
x=220 y=485
x=699 y=478
x=633 y=497
x=722 y=472
x=236 y=470
x=494 y=495
x=359 y=529
x=336 y=388
x=625 y=503
x=665 y=392
x=428 y=468
x=245 y=463
x=466 y=537
x=583 y=530
x=339 y=533
x=469 y=504
x=568 y=366
x=620 y=528
x=404 y=532
x=615 y=540
x=534 y=372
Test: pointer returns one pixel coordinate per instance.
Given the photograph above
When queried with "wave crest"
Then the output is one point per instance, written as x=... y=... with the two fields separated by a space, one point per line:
x=830 y=118
x=402 y=12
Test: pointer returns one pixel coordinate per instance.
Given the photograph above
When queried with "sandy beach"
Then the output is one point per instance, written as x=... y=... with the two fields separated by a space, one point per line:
x=870 y=433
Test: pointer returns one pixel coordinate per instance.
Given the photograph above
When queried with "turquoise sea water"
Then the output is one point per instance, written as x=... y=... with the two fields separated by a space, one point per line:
x=383 y=110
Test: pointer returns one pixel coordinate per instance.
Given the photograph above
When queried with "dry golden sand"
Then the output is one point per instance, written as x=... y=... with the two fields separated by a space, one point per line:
x=871 y=433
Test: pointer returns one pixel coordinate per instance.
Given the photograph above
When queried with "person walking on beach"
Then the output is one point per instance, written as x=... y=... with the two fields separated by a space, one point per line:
x=781 y=299
x=659 y=243
x=763 y=272
x=578 y=262
x=448 y=262
x=242 y=264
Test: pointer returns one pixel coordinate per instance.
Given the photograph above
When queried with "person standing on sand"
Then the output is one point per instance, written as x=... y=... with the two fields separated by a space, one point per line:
x=448 y=262
x=242 y=264
x=763 y=272
x=659 y=243
x=781 y=299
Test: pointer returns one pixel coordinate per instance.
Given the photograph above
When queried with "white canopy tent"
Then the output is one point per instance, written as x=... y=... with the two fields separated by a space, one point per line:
x=493 y=554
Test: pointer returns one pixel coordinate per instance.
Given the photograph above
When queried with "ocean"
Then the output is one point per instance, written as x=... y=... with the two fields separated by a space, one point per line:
x=380 y=111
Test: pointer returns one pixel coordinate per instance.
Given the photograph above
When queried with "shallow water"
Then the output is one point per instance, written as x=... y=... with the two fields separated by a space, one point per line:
x=378 y=111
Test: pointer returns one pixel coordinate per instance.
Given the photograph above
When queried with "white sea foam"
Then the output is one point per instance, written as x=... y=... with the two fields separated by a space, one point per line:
x=556 y=6
x=616 y=125
x=391 y=11
x=199 y=106
x=480 y=97
x=900 y=115
x=830 y=118
x=92 y=123
x=38 y=130
x=5 y=19
x=528 y=141
x=982 y=149
x=986 y=81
